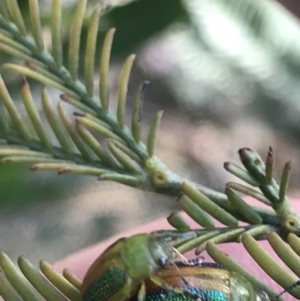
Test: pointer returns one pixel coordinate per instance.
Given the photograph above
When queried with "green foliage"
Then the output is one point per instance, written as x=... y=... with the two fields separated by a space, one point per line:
x=134 y=28
x=125 y=159
x=52 y=189
x=67 y=287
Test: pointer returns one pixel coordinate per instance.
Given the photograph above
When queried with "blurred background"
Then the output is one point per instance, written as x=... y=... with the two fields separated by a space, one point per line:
x=225 y=72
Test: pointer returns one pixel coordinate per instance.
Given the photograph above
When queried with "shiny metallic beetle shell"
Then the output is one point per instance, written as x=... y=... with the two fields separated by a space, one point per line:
x=117 y=274
x=122 y=269
x=211 y=281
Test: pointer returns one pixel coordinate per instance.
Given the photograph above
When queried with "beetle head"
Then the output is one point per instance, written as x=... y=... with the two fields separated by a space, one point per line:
x=162 y=252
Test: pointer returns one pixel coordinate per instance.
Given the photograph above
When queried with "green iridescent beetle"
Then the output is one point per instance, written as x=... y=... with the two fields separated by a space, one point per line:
x=136 y=268
x=119 y=273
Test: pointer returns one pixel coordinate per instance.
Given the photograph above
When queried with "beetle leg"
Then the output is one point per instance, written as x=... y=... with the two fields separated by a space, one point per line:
x=159 y=281
x=142 y=292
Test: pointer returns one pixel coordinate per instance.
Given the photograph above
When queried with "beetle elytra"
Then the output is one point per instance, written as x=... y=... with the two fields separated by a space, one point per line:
x=120 y=271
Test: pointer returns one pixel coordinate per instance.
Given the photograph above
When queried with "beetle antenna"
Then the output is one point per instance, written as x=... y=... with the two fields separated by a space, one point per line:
x=165 y=263
x=185 y=291
x=179 y=273
x=184 y=260
x=295 y=284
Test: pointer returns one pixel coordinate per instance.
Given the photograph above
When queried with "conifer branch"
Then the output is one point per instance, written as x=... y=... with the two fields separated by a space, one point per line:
x=127 y=160
x=28 y=283
x=76 y=143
